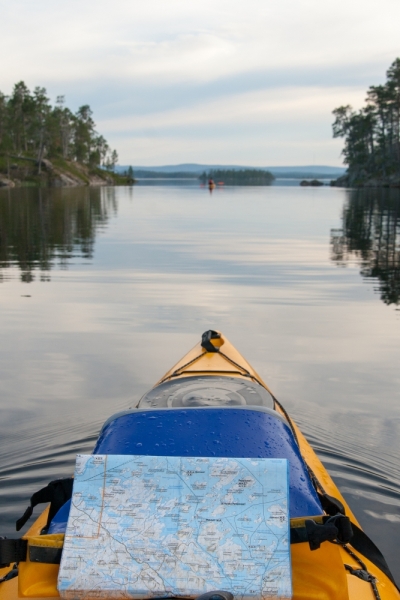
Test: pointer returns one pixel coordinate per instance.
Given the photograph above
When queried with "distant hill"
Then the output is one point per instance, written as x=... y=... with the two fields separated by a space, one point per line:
x=193 y=169
x=145 y=174
x=185 y=168
x=299 y=171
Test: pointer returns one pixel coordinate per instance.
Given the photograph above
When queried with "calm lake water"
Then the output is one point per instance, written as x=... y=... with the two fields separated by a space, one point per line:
x=102 y=290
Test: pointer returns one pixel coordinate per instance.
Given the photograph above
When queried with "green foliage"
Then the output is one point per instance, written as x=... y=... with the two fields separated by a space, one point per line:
x=111 y=161
x=129 y=175
x=239 y=177
x=31 y=127
x=372 y=135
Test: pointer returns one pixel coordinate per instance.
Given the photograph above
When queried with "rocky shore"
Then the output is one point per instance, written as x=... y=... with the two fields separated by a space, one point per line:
x=56 y=173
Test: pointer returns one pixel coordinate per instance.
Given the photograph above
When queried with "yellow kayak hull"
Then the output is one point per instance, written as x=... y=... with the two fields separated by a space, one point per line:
x=317 y=575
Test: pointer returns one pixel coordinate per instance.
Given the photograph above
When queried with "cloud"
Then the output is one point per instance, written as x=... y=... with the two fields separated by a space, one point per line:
x=262 y=127
x=249 y=108
x=160 y=62
x=159 y=150
x=79 y=41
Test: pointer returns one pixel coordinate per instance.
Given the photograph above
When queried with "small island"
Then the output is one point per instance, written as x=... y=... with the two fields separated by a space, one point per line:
x=47 y=145
x=238 y=177
x=311 y=182
x=372 y=136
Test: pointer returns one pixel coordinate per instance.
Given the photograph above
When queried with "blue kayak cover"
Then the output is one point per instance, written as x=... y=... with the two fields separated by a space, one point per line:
x=228 y=432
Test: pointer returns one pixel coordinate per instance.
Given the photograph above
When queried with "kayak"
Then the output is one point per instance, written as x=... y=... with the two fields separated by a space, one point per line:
x=212 y=403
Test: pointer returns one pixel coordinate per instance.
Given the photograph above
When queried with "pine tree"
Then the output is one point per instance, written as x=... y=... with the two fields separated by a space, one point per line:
x=372 y=135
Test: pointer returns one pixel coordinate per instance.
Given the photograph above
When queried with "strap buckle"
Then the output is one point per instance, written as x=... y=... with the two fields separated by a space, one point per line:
x=335 y=528
x=206 y=340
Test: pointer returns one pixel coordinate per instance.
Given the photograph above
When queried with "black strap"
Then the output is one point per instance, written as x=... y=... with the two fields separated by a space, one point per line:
x=331 y=505
x=330 y=529
x=206 y=340
x=361 y=542
x=12 y=551
x=298 y=535
x=44 y=554
x=15 y=551
x=57 y=492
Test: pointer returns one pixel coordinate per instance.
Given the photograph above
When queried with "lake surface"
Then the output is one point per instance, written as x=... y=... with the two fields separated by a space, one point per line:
x=103 y=290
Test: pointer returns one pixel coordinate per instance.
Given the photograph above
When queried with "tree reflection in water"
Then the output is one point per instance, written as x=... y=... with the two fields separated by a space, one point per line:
x=371 y=235
x=42 y=227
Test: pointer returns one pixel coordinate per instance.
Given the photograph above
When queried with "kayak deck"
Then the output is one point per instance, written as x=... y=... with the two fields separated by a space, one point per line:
x=182 y=399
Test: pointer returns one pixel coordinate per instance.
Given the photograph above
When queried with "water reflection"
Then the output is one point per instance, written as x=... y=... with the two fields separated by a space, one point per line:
x=40 y=227
x=371 y=235
x=253 y=262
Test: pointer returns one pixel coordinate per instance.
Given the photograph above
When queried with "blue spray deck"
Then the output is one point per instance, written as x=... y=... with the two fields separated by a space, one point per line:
x=242 y=432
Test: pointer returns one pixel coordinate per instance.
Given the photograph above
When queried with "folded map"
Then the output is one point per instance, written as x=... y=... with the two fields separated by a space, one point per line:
x=160 y=526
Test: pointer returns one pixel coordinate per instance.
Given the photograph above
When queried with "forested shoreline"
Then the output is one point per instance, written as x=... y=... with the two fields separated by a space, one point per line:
x=41 y=143
x=372 y=135
x=238 y=176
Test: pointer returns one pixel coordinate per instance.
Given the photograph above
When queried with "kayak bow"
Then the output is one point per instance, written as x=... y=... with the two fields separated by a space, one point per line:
x=213 y=403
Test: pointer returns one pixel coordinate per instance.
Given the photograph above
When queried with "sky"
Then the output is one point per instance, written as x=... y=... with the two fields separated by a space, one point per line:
x=249 y=82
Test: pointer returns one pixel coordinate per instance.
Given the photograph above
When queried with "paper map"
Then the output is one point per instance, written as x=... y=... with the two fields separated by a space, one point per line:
x=151 y=526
